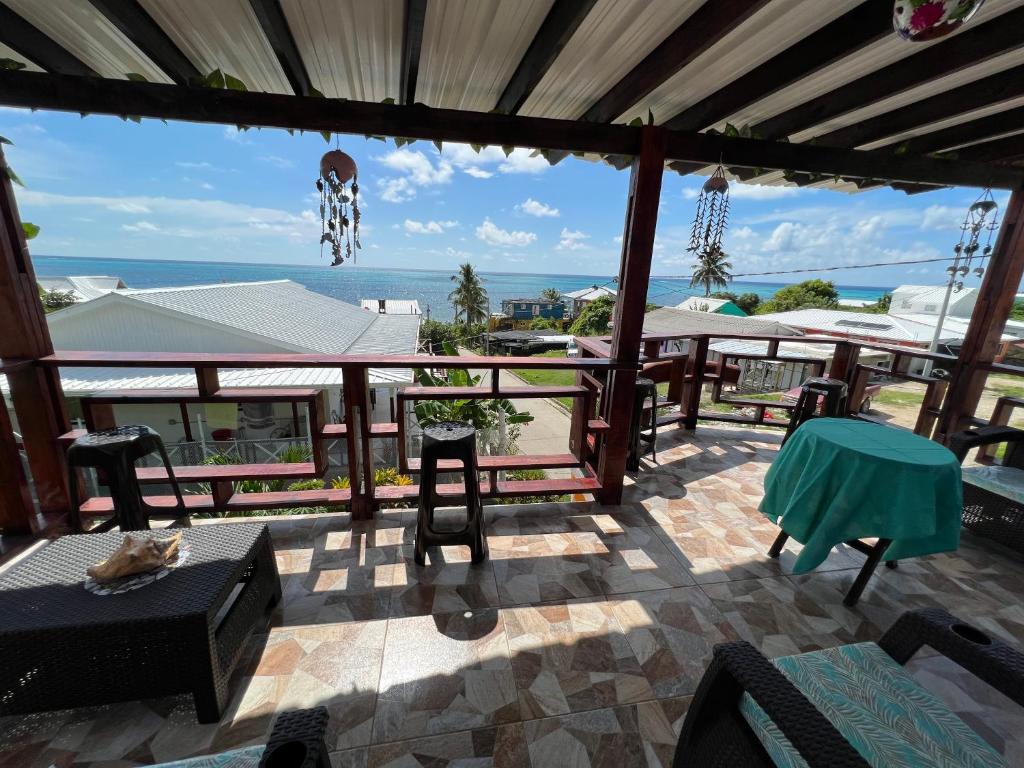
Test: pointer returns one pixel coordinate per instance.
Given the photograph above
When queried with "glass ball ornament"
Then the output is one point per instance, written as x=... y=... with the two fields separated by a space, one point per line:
x=923 y=20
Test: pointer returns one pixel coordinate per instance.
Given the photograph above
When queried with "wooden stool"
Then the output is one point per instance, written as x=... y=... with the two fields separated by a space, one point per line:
x=832 y=391
x=645 y=390
x=449 y=440
x=113 y=452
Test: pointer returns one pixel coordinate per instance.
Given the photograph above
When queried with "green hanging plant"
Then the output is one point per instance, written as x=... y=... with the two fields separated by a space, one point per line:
x=11 y=64
x=30 y=229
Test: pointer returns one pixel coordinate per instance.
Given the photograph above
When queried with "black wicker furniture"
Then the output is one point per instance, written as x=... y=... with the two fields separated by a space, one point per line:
x=66 y=647
x=721 y=730
x=451 y=440
x=113 y=453
x=643 y=429
x=994 y=495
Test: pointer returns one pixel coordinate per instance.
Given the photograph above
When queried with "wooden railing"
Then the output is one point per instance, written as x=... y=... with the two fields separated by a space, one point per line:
x=688 y=372
x=357 y=429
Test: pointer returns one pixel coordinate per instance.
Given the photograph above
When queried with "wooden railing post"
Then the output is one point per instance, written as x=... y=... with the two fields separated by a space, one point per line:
x=15 y=497
x=356 y=388
x=634 y=275
x=36 y=393
x=981 y=342
x=698 y=353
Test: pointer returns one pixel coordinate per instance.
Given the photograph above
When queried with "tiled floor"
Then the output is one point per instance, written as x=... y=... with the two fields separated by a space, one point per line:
x=578 y=643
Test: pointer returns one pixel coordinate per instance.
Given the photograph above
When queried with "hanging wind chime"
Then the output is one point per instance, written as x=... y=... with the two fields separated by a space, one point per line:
x=980 y=219
x=712 y=214
x=339 y=206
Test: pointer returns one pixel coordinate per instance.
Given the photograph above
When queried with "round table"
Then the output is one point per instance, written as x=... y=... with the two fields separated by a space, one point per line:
x=843 y=480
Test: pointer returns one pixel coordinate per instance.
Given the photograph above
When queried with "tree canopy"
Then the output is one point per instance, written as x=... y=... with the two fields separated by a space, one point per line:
x=469 y=297
x=748 y=302
x=593 y=320
x=810 y=294
x=711 y=270
x=551 y=294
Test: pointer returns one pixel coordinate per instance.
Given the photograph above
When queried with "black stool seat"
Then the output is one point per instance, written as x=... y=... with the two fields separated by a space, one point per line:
x=449 y=440
x=831 y=393
x=639 y=432
x=113 y=452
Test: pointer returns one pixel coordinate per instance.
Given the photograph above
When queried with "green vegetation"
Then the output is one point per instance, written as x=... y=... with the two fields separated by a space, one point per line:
x=437 y=334
x=544 y=324
x=593 y=320
x=529 y=474
x=54 y=300
x=748 y=302
x=880 y=307
x=1017 y=313
x=541 y=377
x=712 y=269
x=469 y=297
x=551 y=294
x=897 y=397
x=810 y=294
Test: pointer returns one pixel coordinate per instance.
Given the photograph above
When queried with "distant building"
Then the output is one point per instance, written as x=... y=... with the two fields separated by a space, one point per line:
x=531 y=309
x=391 y=306
x=716 y=306
x=575 y=301
x=83 y=287
x=927 y=300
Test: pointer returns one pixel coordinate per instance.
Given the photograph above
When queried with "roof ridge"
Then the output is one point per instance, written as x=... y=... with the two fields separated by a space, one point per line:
x=171 y=289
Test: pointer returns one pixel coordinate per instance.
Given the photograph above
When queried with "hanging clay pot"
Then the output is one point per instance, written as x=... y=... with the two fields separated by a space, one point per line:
x=343 y=166
x=338 y=186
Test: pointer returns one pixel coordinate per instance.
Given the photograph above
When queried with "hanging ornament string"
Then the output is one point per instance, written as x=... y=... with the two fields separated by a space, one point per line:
x=339 y=225
x=712 y=214
x=981 y=218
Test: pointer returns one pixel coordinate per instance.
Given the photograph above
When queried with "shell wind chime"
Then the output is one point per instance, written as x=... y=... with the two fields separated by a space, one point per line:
x=339 y=205
x=712 y=214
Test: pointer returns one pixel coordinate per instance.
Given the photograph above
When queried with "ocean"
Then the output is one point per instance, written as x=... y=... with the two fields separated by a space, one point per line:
x=350 y=284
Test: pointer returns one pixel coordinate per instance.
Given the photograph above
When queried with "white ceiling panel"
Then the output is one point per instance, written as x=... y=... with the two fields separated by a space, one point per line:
x=10 y=53
x=352 y=49
x=966 y=117
x=771 y=30
x=221 y=35
x=864 y=62
x=471 y=48
x=615 y=36
x=86 y=34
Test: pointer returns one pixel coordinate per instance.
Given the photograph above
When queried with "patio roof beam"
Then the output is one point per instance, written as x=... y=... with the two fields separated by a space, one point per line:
x=412 y=44
x=25 y=39
x=965 y=49
x=279 y=35
x=210 y=105
x=997 y=150
x=971 y=132
x=138 y=26
x=993 y=89
x=854 y=30
x=555 y=31
x=701 y=30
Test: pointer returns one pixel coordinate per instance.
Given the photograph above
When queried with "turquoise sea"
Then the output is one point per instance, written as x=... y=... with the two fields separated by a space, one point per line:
x=350 y=284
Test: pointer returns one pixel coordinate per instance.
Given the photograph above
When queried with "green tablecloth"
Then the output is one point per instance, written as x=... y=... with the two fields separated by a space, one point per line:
x=840 y=479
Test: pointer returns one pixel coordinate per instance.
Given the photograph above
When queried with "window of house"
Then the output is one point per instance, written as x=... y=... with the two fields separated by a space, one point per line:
x=536 y=310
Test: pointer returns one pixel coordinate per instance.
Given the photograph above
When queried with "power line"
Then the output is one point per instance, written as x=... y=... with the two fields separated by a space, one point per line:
x=815 y=269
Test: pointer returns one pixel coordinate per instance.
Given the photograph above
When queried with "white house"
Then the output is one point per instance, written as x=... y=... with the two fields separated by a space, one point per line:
x=84 y=287
x=278 y=316
x=391 y=306
x=575 y=301
x=927 y=300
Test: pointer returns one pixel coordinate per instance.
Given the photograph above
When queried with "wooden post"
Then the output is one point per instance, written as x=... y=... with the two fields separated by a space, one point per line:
x=15 y=497
x=981 y=342
x=36 y=393
x=634 y=276
x=360 y=465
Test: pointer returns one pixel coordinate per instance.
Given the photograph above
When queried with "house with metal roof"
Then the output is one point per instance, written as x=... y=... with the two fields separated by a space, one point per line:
x=927 y=300
x=82 y=287
x=575 y=301
x=391 y=306
x=708 y=304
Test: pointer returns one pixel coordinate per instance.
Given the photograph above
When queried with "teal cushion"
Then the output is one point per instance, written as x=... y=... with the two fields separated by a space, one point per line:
x=249 y=757
x=880 y=709
x=1007 y=482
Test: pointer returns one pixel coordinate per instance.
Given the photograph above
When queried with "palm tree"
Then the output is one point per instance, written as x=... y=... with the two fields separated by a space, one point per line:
x=469 y=297
x=712 y=269
x=551 y=294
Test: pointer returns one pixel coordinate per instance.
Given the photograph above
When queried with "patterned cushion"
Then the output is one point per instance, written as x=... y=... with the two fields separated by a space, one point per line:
x=1007 y=482
x=249 y=757
x=871 y=700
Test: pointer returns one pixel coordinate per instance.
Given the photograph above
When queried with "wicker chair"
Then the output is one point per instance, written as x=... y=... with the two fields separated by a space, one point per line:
x=749 y=711
x=994 y=495
x=297 y=741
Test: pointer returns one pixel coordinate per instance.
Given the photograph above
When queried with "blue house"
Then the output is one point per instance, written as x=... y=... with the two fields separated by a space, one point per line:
x=530 y=309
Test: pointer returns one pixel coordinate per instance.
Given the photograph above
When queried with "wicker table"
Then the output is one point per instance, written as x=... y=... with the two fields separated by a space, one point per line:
x=65 y=647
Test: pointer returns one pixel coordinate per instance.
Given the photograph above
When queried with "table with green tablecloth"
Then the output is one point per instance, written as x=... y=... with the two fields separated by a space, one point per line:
x=841 y=481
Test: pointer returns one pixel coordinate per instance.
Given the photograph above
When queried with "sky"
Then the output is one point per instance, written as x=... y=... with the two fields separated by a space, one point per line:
x=102 y=187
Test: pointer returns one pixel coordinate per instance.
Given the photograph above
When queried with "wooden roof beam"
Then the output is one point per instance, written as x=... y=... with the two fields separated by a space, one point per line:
x=555 y=31
x=412 y=44
x=704 y=27
x=22 y=37
x=227 y=107
x=998 y=150
x=993 y=89
x=854 y=30
x=971 y=132
x=973 y=46
x=275 y=26
x=138 y=26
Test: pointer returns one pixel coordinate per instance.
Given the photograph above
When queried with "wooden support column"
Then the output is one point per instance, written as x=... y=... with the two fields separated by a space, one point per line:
x=355 y=386
x=981 y=342
x=36 y=393
x=15 y=497
x=634 y=276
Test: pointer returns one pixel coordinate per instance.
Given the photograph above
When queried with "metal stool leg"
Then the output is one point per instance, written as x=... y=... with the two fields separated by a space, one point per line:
x=778 y=544
x=425 y=513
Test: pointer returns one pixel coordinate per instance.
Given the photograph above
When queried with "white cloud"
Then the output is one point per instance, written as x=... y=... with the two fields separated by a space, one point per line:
x=141 y=226
x=396 y=190
x=119 y=206
x=477 y=164
x=492 y=234
x=870 y=228
x=194 y=165
x=941 y=217
x=536 y=208
x=478 y=173
x=231 y=133
x=572 y=240
x=524 y=161
x=417 y=171
x=741 y=191
x=428 y=227
x=277 y=161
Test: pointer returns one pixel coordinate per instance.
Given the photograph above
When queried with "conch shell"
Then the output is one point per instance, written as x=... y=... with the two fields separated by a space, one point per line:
x=136 y=556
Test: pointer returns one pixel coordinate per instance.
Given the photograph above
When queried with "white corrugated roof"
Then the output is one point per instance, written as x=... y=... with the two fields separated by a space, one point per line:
x=589 y=294
x=684 y=321
x=702 y=304
x=915 y=328
x=392 y=306
x=927 y=299
x=84 y=287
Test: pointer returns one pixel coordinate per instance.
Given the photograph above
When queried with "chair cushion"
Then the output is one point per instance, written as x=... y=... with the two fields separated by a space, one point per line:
x=249 y=757
x=880 y=709
x=1007 y=482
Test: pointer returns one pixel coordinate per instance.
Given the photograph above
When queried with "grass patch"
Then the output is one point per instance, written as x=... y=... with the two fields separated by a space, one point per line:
x=549 y=377
x=898 y=398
